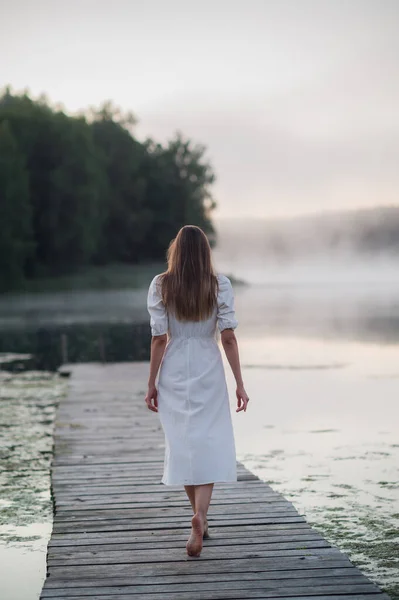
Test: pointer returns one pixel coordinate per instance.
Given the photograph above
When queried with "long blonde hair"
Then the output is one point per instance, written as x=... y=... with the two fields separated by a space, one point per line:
x=189 y=285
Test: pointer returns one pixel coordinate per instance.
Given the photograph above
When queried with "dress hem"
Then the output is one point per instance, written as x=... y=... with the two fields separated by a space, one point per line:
x=225 y=480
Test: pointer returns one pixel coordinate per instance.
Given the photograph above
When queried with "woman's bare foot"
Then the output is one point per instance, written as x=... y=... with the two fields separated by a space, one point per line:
x=194 y=543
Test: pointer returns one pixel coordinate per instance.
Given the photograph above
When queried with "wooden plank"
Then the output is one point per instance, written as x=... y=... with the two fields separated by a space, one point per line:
x=127 y=471
x=138 y=487
x=148 y=524
x=277 y=542
x=282 y=529
x=308 y=576
x=178 y=512
x=204 y=567
x=273 y=589
x=313 y=593
x=162 y=496
x=130 y=478
x=145 y=553
x=120 y=533
x=73 y=504
x=80 y=489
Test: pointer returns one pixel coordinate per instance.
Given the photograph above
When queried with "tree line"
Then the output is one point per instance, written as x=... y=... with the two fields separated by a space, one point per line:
x=80 y=190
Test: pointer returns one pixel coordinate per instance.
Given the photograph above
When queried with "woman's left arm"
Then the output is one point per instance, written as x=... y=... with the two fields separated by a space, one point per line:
x=158 y=345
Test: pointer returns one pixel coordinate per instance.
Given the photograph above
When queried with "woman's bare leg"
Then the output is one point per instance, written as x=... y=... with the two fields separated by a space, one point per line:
x=203 y=495
x=190 y=491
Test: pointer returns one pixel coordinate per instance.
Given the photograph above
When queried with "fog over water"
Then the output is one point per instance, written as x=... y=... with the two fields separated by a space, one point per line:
x=322 y=249
x=301 y=285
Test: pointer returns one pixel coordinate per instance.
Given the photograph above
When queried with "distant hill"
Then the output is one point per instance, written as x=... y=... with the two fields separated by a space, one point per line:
x=360 y=232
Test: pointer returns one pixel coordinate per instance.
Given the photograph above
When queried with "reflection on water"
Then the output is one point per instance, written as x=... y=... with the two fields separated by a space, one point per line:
x=359 y=312
x=99 y=342
x=21 y=311
x=328 y=439
x=113 y=325
x=27 y=557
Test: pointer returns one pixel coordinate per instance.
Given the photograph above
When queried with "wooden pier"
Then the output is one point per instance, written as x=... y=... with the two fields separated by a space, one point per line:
x=120 y=534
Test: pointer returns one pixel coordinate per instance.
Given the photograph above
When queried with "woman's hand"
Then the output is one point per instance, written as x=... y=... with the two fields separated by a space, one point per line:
x=151 y=398
x=242 y=398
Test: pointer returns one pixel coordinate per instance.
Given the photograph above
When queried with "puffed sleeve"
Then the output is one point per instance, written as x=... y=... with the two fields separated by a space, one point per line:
x=158 y=315
x=226 y=313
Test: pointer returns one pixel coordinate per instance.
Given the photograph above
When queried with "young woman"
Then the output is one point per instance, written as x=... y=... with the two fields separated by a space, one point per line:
x=187 y=303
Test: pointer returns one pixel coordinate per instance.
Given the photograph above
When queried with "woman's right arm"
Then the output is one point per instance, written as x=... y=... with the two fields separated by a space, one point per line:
x=230 y=346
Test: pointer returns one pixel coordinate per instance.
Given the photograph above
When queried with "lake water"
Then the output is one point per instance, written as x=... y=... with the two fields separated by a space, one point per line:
x=321 y=365
x=27 y=407
x=323 y=429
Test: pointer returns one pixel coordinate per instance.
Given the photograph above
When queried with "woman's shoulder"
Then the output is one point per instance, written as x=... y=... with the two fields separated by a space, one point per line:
x=155 y=287
x=225 y=288
x=156 y=280
x=223 y=279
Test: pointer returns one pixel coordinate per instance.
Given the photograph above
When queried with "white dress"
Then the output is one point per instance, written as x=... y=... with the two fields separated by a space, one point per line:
x=193 y=401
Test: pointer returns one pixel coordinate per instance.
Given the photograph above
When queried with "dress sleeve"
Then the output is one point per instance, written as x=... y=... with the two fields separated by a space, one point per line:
x=159 y=322
x=226 y=313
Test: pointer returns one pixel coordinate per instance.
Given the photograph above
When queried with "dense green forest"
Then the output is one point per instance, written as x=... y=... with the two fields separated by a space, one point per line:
x=81 y=190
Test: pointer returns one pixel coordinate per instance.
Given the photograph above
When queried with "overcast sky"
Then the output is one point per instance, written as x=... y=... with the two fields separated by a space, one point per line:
x=296 y=100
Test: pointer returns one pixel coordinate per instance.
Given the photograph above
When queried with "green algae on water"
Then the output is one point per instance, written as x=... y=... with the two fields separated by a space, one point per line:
x=27 y=407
